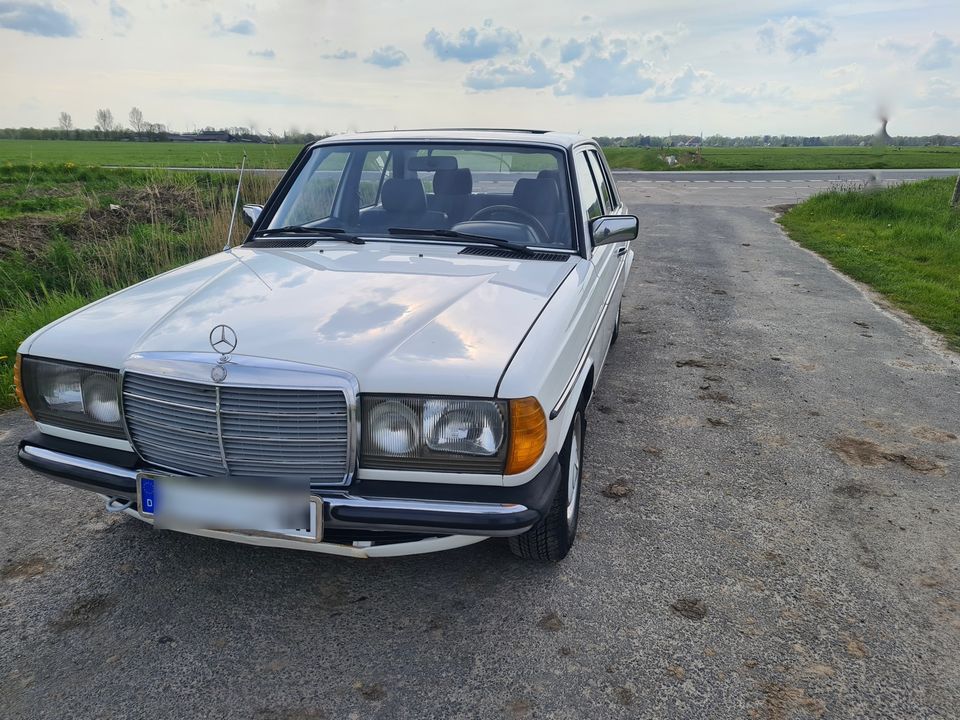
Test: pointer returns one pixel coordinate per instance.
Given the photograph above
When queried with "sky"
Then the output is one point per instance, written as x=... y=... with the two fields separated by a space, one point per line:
x=600 y=68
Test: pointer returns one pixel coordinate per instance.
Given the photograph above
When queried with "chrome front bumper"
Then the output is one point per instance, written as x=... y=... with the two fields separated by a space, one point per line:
x=343 y=509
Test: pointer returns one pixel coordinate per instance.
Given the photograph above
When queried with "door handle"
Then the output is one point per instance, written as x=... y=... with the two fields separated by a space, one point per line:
x=621 y=252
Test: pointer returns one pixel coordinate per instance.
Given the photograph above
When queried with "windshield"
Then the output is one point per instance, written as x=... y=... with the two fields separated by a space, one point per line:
x=508 y=192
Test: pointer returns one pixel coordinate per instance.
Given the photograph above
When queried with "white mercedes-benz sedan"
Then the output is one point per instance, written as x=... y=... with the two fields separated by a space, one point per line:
x=396 y=360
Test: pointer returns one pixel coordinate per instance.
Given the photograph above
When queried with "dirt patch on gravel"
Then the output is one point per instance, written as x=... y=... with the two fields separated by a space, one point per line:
x=171 y=206
x=858 y=452
x=716 y=396
x=694 y=362
x=83 y=612
x=26 y=568
x=617 y=490
x=856 y=491
x=784 y=701
x=690 y=608
x=929 y=434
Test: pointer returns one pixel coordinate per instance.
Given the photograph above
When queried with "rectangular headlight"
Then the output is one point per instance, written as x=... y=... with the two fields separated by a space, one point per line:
x=405 y=432
x=76 y=397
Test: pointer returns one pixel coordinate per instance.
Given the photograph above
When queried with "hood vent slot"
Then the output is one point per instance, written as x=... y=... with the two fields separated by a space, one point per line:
x=280 y=243
x=513 y=254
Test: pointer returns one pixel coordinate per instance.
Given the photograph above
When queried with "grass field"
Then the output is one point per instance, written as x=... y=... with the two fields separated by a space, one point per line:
x=70 y=235
x=86 y=153
x=903 y=241
x=145 y=154
x=789 y=158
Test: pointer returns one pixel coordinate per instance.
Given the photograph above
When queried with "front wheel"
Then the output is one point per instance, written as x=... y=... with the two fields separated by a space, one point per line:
x=552 y=537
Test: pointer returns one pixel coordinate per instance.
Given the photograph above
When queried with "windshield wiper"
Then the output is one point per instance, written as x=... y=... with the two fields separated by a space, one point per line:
x=457 y=235
x=330 y=233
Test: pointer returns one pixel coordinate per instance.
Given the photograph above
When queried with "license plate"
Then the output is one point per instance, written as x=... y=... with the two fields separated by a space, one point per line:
x=248 y=508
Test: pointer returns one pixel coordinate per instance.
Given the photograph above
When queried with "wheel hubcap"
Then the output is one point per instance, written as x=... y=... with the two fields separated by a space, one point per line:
x=573 y=474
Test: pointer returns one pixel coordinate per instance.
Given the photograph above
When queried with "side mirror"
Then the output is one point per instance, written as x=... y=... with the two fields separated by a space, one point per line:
x=251 y=213
x=613 y=229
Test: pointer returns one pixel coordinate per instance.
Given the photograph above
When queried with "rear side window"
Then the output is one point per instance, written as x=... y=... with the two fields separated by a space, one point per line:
x=597 y=168
x=589 y=199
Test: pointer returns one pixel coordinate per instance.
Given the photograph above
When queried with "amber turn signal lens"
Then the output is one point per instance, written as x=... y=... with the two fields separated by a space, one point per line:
x=18 y=387
x=528 y=435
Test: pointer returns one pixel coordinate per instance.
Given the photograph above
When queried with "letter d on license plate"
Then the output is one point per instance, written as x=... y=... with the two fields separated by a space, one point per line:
x=246 y=506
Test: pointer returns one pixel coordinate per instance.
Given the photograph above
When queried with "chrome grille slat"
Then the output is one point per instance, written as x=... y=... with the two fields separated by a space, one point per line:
x=196 y=429
x=170 y=403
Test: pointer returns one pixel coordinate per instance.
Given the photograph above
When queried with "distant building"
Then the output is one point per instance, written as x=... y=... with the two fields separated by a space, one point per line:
x=211 y=136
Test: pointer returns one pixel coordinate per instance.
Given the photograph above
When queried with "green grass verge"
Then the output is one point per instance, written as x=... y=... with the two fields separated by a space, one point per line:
x=904 y=242
x=168 y=154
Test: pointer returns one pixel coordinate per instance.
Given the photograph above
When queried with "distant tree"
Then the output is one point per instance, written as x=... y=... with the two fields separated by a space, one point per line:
x=66 y=122
x=137 y=123
x=105 y=122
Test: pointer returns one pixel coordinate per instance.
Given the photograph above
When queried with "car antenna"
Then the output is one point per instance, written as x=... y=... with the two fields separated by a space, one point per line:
x=236 y=200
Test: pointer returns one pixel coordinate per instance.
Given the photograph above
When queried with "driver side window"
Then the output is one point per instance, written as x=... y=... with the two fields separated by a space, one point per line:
x=589 y=197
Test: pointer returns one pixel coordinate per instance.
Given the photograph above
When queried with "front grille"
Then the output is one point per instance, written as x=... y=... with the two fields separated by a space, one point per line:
x=200 y=429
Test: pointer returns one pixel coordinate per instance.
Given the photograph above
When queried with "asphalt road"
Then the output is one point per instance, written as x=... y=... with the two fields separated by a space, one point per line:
x=782 y=540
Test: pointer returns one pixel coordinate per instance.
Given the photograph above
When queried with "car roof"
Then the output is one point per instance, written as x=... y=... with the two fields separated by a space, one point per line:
x=504 y=135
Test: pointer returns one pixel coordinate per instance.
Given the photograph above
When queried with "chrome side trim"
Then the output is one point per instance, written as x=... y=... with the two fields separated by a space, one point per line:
x=571 y=383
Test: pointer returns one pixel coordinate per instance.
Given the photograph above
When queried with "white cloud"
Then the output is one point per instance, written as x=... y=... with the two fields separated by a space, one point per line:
x=340 y=55
x=686 y=83
x=122 y=20
x=472 y=43
x=938 y=92
x=796 y=36
x=896 y=46
x=572 y=50
x=938 y=54
x=36 y=19
x=763 y=92
x=387 y=56
x=530 y=72
x=236 y=27
x=842 y=72
x=266 y=54
x=662 y=41
x=607 y=69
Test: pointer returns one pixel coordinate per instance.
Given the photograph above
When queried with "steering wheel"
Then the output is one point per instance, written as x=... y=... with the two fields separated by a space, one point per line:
x=512 y=214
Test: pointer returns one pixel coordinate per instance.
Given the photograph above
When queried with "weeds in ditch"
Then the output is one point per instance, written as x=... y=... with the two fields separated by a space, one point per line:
x=113 y=229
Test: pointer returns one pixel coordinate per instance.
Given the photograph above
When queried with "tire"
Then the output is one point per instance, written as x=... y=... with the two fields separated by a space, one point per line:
x=616 y=327
x=552 y=537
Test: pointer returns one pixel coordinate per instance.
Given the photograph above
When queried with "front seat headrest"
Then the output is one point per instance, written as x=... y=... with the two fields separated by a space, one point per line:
x=453 y=182
x=403 y=195
x=538 y=196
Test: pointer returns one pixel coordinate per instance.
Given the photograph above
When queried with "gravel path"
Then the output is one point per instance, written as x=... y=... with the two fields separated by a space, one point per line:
x=769 y=530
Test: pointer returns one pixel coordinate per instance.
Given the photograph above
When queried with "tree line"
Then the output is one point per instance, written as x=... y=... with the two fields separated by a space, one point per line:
x=843 y=140
x=106 y=127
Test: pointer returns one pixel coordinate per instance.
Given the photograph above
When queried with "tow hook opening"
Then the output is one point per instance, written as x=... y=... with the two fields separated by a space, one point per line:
x=118 y=504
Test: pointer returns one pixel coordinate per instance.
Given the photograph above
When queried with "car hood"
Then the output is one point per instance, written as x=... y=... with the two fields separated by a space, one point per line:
x=401 y=317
